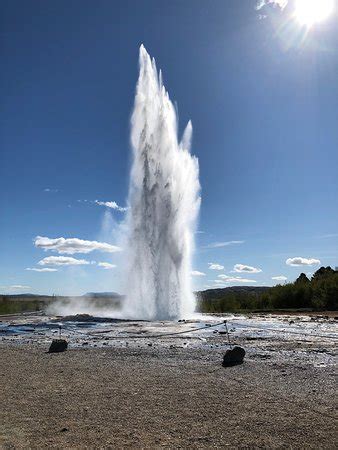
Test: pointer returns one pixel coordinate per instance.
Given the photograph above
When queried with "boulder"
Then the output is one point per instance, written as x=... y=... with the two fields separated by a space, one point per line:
x=233 y=357
x=58 y=345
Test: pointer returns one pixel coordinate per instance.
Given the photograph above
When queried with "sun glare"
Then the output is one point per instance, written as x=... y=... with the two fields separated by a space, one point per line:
x=308 y=12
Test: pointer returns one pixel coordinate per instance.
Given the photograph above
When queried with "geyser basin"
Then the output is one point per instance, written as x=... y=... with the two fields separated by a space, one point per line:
x=164 y=203
x=265 y=337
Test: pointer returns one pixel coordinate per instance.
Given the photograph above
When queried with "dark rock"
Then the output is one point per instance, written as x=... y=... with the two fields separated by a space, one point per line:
x=64 y=429
x=233 y=357
x=58 y=345
x=87 y=318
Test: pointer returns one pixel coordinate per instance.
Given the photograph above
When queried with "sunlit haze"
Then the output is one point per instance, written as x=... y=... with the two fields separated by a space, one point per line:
x=308 y=12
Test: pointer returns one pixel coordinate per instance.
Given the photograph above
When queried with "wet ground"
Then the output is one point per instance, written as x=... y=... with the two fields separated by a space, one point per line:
x=302 y=339
x=132 y=384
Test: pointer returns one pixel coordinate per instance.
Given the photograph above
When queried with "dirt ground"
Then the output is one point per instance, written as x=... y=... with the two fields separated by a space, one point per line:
x=161 y=397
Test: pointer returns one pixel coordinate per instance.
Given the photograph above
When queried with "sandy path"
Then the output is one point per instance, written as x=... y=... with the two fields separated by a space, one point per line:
x=150 y=398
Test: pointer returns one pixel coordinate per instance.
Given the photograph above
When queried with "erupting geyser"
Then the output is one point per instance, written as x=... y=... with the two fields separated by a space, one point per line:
x=164 y=203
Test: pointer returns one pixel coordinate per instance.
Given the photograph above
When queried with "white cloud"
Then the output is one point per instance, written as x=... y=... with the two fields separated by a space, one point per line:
x=106 y=265
x=51 y=190
x=196 y=273
x=17 y=287
x=281 y=3
x=215 y=266
x=279 y=278
x=299 y=261
x=112 y=205
x=227 y=279
x=62 y=261
x=247 y=269
x=44 y=269
x=223 y=244
x=73 y=245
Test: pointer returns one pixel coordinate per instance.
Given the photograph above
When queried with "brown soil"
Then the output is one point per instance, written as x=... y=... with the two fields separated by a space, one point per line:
x=155 y=397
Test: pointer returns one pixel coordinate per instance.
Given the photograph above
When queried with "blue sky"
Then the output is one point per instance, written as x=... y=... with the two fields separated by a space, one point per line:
x=262 y=94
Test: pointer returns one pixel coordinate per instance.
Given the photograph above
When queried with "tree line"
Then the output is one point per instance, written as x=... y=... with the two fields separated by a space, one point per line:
x=320 y=292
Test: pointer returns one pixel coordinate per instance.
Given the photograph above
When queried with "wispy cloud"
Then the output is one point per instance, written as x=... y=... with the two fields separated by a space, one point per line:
x=62 y=261
x=299 y=261
x=247 y=269
x=328 y=236
x=71 y=246
x=196 y=273
x=106 y=265
x=279 y=278
x=15 y=287
x=111 y=205
x=223 y=244
x=281 y=3
x=51 y=190
x=44 y=269
x=215 y=266
x=227 y=279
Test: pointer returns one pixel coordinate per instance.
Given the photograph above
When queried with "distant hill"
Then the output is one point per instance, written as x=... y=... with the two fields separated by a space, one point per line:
x=17 y=303
x=223 y=292
x=230 y=299
x=102 y=294
x=27 y=296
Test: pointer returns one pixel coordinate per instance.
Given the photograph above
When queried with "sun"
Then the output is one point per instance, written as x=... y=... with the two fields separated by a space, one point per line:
x=308 y=12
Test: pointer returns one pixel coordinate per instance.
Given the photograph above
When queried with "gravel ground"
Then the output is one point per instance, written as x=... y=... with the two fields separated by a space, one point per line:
x=156 y=397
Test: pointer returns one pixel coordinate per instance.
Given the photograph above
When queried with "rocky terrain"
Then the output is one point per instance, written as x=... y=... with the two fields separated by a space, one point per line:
x=144 y=385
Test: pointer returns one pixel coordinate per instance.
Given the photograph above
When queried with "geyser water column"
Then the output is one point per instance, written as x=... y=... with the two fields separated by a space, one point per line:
x=163 y=205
